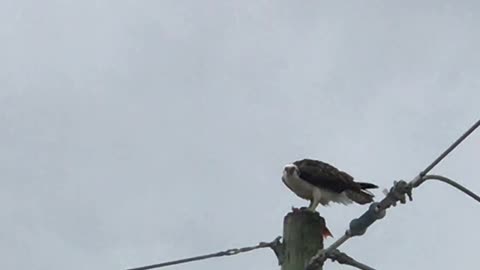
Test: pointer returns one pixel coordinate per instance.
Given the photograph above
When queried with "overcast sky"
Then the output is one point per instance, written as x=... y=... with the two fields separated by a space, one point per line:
x=135 y=132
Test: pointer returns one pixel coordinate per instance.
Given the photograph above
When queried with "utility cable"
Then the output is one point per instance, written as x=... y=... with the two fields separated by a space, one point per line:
x=343 y=258
x=275 y=244
x=452 y=183
x=398 y=192
x=445 y=153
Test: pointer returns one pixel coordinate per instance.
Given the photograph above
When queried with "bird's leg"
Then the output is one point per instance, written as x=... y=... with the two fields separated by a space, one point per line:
x=310 y=206
x=315 y=201
x=313 y=205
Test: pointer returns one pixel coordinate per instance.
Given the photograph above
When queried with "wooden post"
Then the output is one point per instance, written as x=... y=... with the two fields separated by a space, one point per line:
x=302 y=238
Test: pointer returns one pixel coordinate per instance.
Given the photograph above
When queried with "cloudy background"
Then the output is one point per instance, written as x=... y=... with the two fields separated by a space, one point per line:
x=134 y=132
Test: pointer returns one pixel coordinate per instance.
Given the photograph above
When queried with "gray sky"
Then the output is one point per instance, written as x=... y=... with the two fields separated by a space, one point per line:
x=135 y=132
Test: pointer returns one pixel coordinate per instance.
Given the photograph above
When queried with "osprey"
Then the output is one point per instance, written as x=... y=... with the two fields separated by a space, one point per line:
x=321 y=183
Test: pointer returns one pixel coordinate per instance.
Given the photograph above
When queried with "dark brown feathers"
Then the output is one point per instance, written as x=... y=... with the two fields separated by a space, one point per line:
x=325 y=176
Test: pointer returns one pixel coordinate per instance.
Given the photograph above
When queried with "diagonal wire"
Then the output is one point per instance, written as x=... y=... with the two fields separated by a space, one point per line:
x=445 y=153
x=377 y=210
x=229 y=252
x=342 y=258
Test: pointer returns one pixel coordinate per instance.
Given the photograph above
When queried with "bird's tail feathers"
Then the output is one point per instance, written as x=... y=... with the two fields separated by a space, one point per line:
x=360 y=196
x=364 y=185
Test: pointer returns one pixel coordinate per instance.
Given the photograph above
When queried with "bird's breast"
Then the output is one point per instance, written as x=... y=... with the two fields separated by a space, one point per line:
x=300 y=187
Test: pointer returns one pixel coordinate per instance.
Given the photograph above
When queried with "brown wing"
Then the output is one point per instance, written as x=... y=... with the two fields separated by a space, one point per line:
x=326 y=176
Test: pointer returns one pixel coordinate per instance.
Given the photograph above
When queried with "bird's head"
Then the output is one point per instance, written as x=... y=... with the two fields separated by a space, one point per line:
x=290 y=170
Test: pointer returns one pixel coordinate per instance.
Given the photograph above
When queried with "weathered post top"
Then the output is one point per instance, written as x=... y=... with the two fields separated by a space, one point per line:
x=302 y=238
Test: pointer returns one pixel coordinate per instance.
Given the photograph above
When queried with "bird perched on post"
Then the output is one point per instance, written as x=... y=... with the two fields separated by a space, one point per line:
x=321 y=183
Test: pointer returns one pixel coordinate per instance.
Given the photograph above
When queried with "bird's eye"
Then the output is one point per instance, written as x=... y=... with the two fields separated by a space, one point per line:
x=289 y=170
